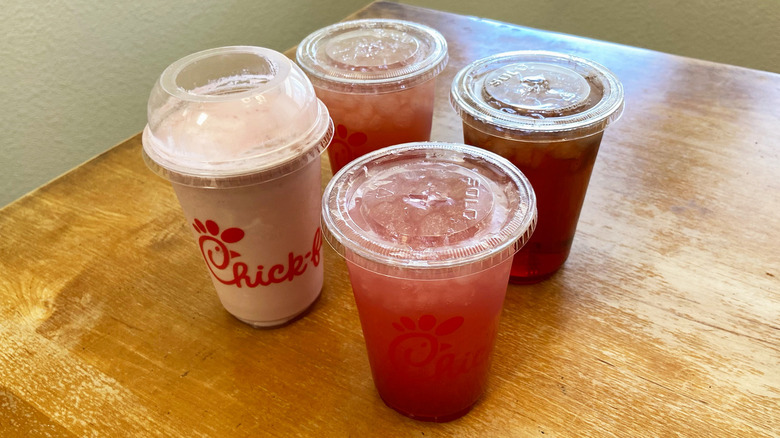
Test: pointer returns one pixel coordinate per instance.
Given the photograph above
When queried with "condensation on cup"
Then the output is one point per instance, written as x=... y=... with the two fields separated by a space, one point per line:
x=428 y=231
x=238 y=131
x=546 y=113
x=377 y=77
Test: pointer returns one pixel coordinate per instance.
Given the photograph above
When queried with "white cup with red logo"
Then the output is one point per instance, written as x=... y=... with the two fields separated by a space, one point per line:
x=239 y=131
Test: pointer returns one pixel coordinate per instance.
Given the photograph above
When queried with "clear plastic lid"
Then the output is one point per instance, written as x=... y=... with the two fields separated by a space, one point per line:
x=372 y=55
x=545 y=95
x=428 y=210
x=233 y=116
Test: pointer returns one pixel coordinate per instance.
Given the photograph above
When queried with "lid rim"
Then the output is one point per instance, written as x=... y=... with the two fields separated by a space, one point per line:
x=464 y=100
x=391 y=83
x=593 y=125
x=167 y=79
x=492 y=248
x=317 y=141
x=328 y=77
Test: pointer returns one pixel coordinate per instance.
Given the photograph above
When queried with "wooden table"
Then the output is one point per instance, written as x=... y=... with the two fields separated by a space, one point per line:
x=665 y=320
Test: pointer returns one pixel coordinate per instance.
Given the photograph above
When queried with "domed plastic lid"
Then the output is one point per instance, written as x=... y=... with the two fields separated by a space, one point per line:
x=428 y=210
x=541 y=94
x=372 y=56
x=233 y=116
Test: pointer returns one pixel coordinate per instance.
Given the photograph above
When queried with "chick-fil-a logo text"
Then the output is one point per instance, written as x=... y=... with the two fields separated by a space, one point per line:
x=418 y=350
x=223 y=265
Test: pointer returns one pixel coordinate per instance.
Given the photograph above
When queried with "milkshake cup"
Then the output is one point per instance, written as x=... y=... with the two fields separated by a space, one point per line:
x=546 y=113
x=428 y=231
x=377 y=77
x=238 y=131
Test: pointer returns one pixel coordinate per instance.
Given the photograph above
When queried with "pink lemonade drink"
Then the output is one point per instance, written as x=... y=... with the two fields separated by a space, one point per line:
x=367 y=122
x=546 y=113
x=426 y=360
x=377 y=78
x=238 y=131
x=428 y=231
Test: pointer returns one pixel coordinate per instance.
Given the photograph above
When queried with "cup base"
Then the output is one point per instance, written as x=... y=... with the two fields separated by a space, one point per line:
x=283 y=321
x=432 y=419
x=531 y=279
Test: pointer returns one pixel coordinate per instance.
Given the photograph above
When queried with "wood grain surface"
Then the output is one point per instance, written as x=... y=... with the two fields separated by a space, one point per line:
x=665 y=321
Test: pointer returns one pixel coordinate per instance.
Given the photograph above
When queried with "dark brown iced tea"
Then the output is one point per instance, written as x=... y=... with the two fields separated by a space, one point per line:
x=559 y=173
x=546 y=113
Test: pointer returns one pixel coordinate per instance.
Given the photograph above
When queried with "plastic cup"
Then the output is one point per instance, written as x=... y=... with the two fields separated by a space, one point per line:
x=239 y=131
x=377 y=78
x=428 y=231
x=546 y=113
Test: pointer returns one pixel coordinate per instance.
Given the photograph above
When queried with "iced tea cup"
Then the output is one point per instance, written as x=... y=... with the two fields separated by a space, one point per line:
x=377 y=77
x=428 y=231
x=546 y=113
x=238 y=131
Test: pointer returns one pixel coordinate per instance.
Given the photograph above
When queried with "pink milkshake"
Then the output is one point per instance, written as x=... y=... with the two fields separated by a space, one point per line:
x=377 y=77
x=238 y=131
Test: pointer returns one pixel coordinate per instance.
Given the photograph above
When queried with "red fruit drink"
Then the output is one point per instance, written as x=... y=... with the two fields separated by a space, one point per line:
x=546 y=113
x=377 y=78
x=428 y=231
x=239 y=131
x=429 y=342
x=367 y=122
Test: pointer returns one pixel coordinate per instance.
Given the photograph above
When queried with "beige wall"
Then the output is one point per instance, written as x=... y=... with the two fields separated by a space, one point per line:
x=80 y=71
x=737 y=32
x=76 y=75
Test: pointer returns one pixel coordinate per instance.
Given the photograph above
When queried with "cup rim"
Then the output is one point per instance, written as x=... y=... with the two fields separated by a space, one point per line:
x=366 y=250
x=470 y=105
x=325 y=76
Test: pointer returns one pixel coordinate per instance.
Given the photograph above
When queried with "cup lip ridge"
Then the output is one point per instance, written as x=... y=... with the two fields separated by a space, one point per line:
x=317 y=142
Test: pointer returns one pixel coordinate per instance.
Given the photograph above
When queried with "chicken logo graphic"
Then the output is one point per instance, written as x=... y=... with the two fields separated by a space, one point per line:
x=345 y=146
x=421 y=349
x=419 y=344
